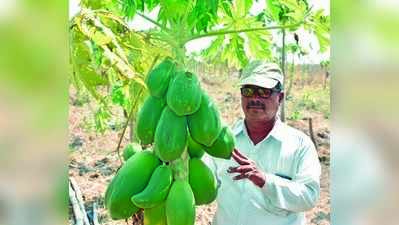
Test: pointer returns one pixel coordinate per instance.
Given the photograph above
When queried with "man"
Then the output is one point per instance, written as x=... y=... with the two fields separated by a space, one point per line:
x=273 y=176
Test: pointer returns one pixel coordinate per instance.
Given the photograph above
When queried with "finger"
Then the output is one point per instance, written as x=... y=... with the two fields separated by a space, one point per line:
x=240 y=177
x=238 y=153
x=250 y=174
x=241 y=169
x=240 y=160
x=232 y=169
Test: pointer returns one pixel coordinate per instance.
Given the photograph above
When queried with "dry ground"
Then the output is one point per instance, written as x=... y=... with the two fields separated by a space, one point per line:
x=93 y=161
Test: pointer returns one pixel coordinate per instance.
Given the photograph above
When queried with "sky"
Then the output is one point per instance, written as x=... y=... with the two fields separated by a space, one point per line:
x=139 y=23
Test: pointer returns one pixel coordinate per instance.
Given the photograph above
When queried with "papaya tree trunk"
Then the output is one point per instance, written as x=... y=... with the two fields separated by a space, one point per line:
x=326 y=74
x=291 y=78
x=282 y=112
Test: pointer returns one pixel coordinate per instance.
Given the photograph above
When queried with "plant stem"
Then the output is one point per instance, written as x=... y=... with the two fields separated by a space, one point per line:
x=126 y=125
x=221 y=32
x=153 y=21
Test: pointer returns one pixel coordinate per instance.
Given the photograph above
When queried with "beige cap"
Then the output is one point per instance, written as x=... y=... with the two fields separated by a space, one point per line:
x=262 y=74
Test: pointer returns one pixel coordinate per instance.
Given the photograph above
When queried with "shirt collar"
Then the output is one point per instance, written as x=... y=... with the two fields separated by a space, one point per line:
x=277 y=131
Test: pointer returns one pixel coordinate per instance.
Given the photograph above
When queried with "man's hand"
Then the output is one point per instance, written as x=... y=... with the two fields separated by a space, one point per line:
x=247 y=169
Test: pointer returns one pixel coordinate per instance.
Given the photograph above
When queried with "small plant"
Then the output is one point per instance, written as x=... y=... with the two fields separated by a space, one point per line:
x=311 y=100
x=296 y=115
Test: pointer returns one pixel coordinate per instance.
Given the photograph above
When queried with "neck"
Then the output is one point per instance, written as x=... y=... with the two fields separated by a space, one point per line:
x=258 y=130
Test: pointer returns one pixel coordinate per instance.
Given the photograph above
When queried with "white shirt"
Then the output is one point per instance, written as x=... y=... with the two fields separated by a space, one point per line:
x=285 y=152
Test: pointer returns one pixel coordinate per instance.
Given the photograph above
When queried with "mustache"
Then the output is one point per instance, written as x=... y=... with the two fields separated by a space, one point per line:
x=255 y=104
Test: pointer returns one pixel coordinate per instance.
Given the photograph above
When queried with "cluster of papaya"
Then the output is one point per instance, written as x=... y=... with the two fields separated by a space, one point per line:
x=177 y=116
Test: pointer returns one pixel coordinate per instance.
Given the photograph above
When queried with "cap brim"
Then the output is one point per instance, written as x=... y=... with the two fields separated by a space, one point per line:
x=261 y=82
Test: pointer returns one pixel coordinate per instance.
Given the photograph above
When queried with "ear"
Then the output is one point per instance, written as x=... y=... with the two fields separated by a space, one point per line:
x=281 y=97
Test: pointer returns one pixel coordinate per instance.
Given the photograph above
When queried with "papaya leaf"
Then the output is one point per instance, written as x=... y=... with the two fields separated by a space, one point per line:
x=259 y=44
x=95 y=4
x=323 y=40
x=234 y=52
x=241 y=7
x=238 y=45
x=215 y=48
x=129 y=8
x=226 y=6
x=151 y=4
x=100 y=38
x=237 y=51
x=100 y=117
x=319 y=25
x=203 y=15
x=117 y=95
x=173 y=9
x=273 y=9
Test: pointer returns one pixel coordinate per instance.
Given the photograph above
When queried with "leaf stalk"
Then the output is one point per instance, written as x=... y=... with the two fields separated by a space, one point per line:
x=223 y=32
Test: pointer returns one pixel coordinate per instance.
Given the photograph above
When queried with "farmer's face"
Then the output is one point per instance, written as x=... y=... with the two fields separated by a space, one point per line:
x=260 y=108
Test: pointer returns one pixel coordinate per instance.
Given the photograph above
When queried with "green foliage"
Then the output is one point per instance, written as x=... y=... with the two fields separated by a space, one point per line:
x=319 y=25
x=117 y=95
x=105 y=52
x=237 y=49
x=310 y=100
x=296 y=115
x=203 y=15
x=286 y=11
x=325 y=64
x=101 y=117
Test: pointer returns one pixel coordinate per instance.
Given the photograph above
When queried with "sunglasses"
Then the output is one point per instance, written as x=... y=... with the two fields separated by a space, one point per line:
x=261 y=92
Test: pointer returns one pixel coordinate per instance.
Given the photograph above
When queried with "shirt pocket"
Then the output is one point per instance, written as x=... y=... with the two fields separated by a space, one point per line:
x=262 y=203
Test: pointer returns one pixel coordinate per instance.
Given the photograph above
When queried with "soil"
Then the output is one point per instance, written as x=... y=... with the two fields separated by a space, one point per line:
x=93 y=160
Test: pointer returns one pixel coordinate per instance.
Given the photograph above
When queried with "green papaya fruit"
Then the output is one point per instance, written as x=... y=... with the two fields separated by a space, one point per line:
x=159 y=77
x=157 y=189
x=180 y=204
x=195 y=150
x=148 y=118
x=205 y=125
x=131 y=179
x=184 y=94
x=108 y=192
x=223 y=146
x=130 y=149
x=155 y=215
x=170 y=135
x=202 y=182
